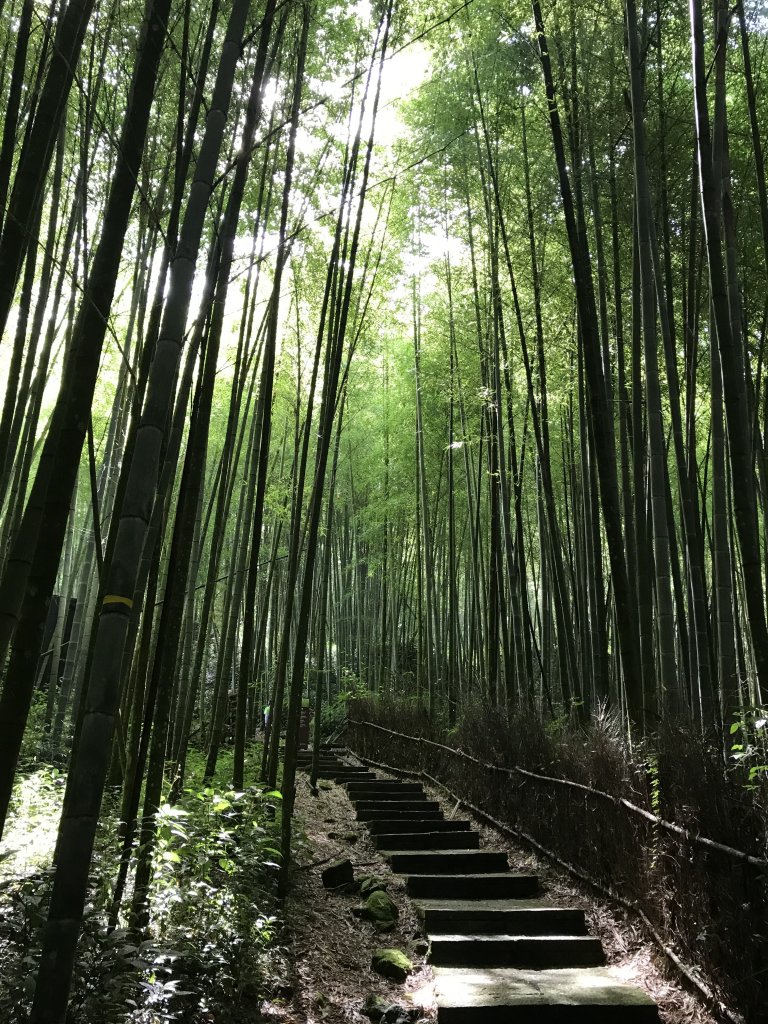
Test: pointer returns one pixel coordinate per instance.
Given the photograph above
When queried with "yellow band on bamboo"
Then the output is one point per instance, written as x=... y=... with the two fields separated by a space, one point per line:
x=116 y=599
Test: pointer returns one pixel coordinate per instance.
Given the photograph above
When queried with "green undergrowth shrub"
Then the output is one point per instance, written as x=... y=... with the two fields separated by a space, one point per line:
x=709 y=905
x=213 y=901
x=214 y=928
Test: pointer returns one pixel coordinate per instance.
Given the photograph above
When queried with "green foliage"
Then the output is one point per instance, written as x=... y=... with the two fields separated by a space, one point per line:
x=213 y=897
x=334 y=714
x=34 y=732
x=214 y=924
x=749 y=745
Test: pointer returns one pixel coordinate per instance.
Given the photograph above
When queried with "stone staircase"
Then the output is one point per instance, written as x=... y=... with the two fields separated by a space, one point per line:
x=501 y=954
x=333 y=768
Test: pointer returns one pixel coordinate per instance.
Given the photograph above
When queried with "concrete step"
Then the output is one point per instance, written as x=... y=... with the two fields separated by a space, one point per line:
x=565 y=996
x=399 y=812
x=324 y=752
x=428 y=841
x=330 y=768
x=504 y=885
x=338 y=779
x=383 y=796
x=388 y=825
x=500 y=917
x=379 y=786
x=447 y=862
x=330 y=762
x=539 y=951
x=414 y=803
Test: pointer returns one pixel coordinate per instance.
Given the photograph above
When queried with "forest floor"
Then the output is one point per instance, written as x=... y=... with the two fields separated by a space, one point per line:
x=327 y=973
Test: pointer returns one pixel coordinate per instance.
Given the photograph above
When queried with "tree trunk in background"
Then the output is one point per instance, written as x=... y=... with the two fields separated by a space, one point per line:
x=731 y=363
x=602 y=418
x=36 y=154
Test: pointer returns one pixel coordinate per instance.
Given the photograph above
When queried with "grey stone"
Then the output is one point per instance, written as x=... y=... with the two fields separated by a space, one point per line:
x=338 y=873
x=395 y=1014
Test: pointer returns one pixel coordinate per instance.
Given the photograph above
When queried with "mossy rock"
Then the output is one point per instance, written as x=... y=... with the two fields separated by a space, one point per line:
x=381 y=910
x=369 y=884
x=325 y=784
x=375 y=1007
x=391 y=963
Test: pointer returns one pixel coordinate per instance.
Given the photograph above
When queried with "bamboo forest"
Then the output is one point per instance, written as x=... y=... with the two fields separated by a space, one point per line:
x=383 y=511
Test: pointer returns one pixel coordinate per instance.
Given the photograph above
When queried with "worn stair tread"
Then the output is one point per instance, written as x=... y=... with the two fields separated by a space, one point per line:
x=369 y=815
x=490 y=885
x=343 y=772
x=410 y=825
x=385 y=785
x=480 y=907
x=350 y=769
x=438 y=862
x=307 y=755
x=387 y=807
x=363 y=791
x=504 y=994
x=427 y=841
x=495 y=917
x=537 y=951
x=409 y=802
x=339 y=779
